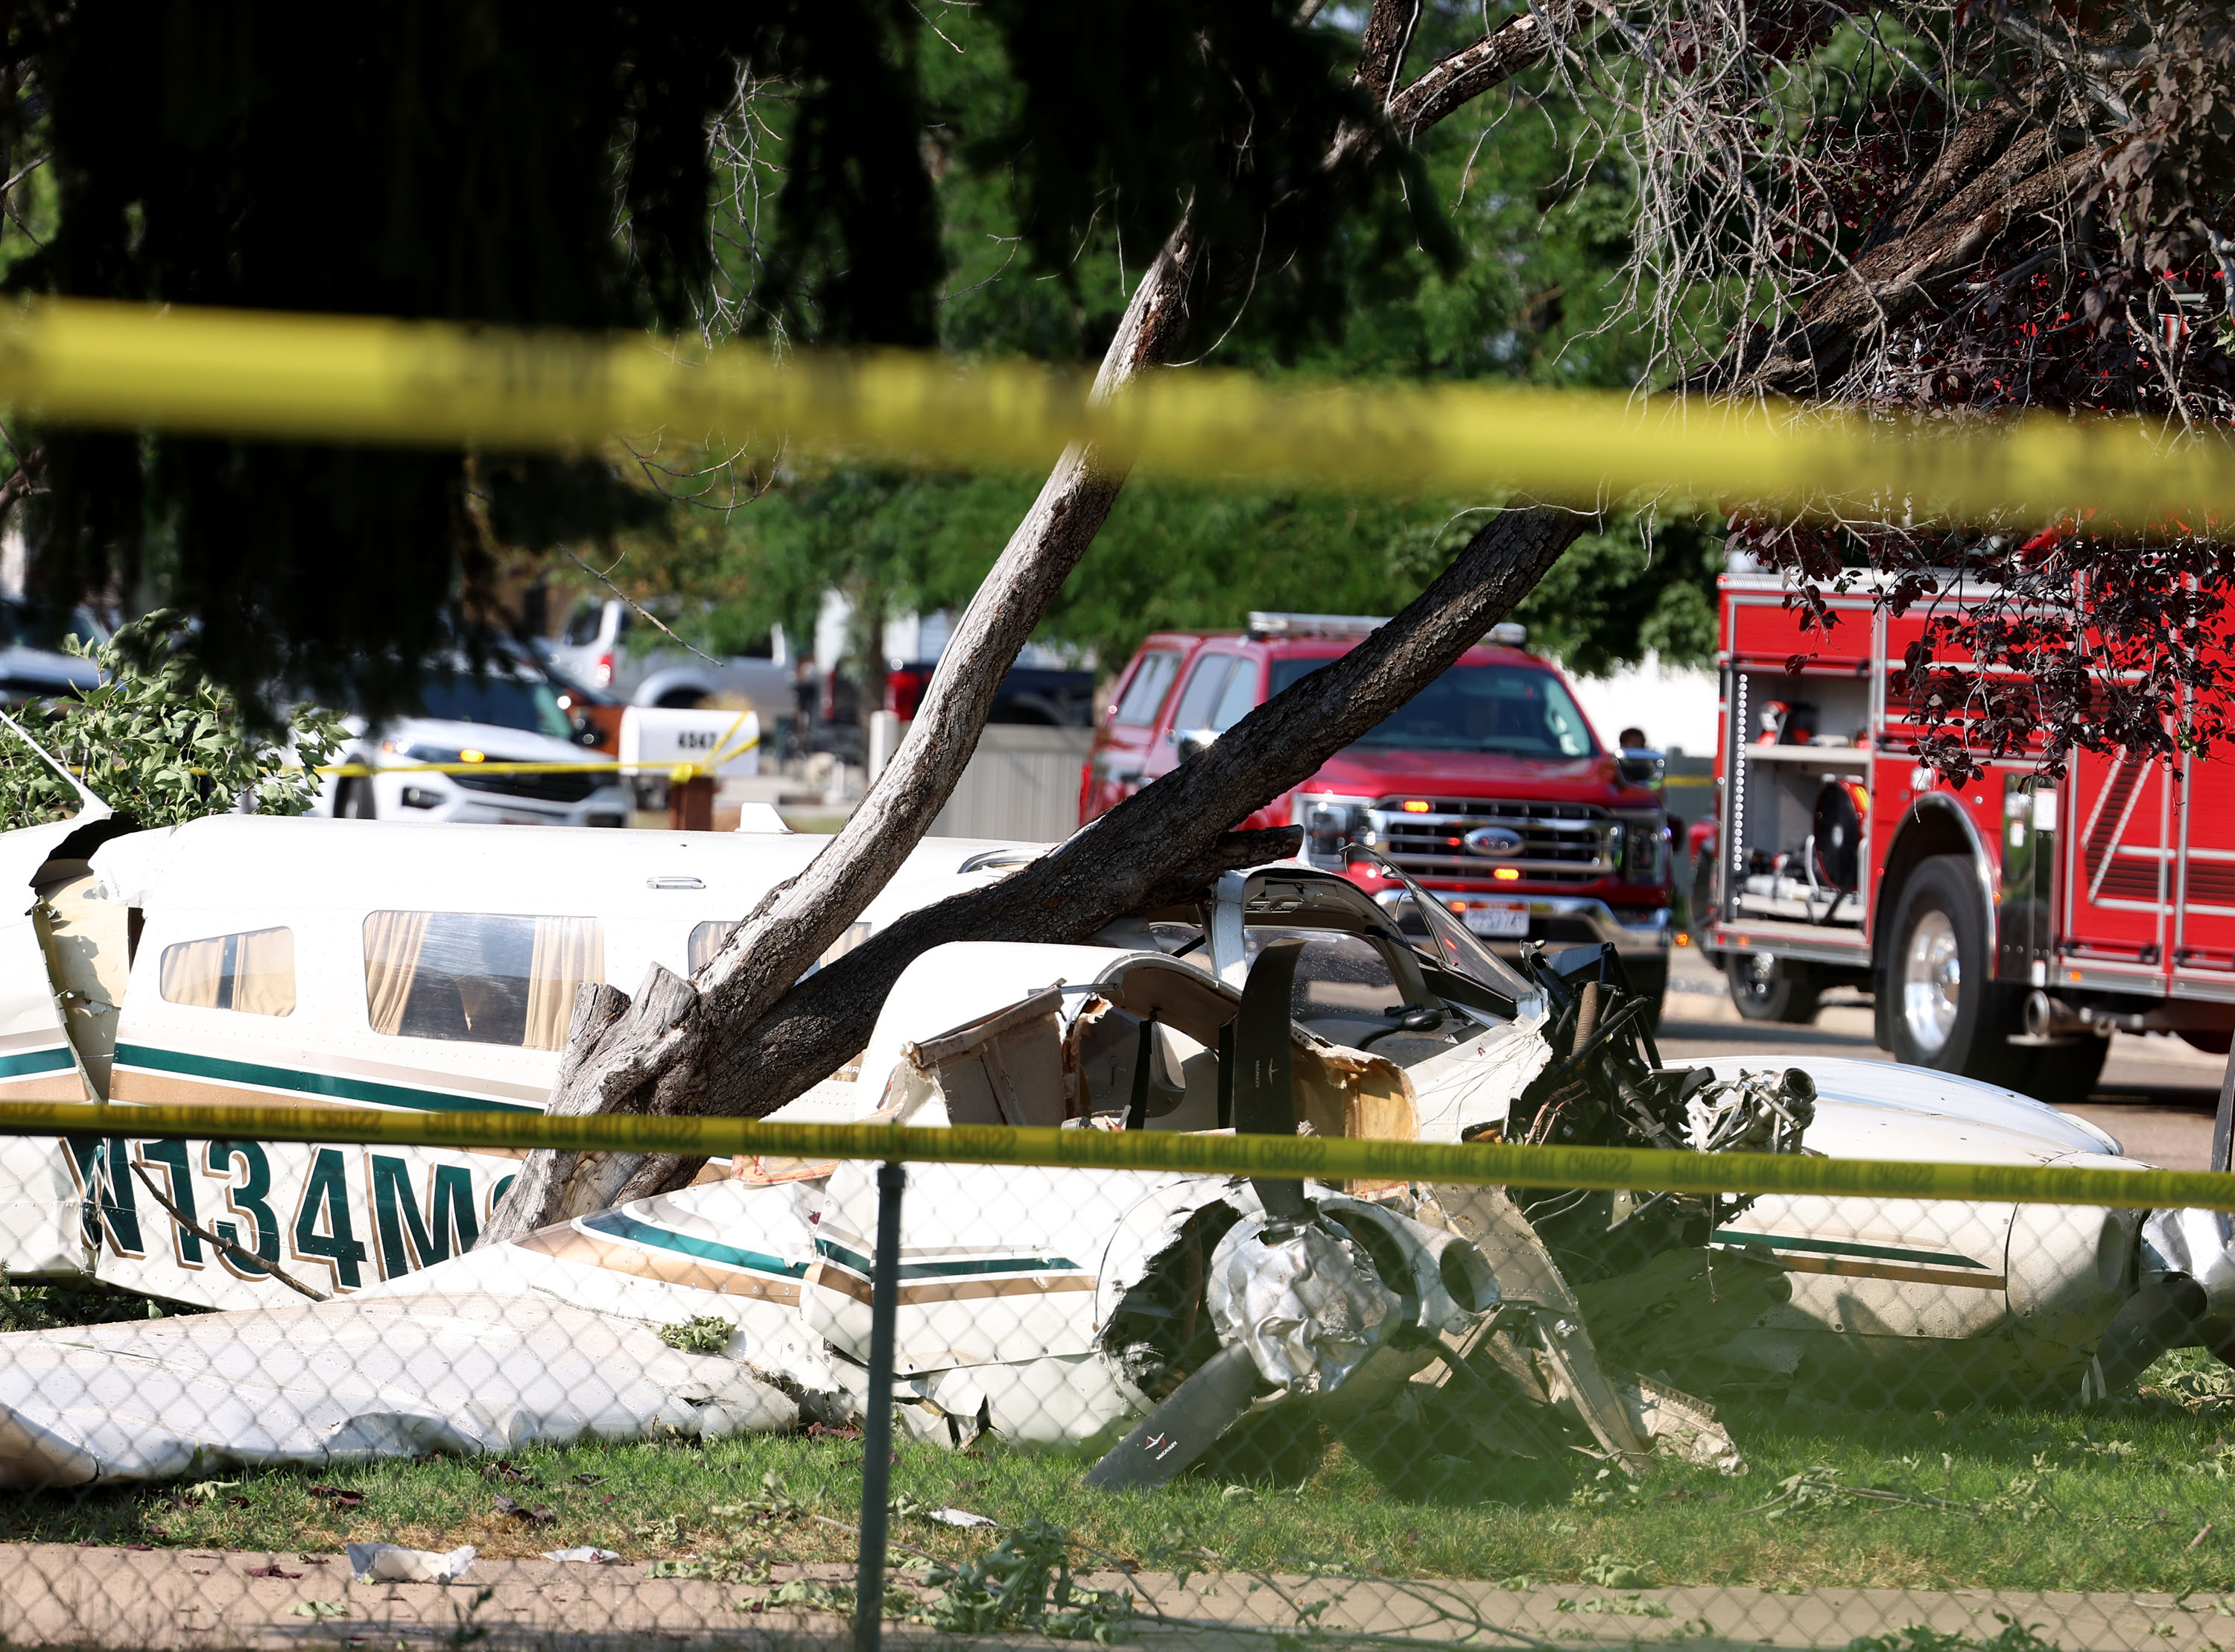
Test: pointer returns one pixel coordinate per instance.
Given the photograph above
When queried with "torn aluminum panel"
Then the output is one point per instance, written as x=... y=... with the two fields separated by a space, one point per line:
x=341 y=1381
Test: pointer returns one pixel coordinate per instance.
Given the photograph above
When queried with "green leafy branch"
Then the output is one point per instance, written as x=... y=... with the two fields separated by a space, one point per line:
x=157 y=740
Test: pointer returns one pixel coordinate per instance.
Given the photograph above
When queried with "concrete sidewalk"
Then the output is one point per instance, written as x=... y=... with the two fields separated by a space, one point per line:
x=55 y=1595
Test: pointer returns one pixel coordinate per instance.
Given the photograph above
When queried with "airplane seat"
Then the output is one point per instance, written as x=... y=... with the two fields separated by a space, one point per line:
x=435 y=1009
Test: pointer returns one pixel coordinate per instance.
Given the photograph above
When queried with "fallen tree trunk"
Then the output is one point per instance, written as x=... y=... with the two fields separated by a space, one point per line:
x=1167 y=839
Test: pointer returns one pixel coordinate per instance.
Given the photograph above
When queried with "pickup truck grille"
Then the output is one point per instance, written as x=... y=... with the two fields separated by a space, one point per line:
x=560 y=786
x=1561 y=842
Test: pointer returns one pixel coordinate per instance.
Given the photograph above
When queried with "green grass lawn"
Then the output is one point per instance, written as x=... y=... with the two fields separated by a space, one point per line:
x=2015 y=1500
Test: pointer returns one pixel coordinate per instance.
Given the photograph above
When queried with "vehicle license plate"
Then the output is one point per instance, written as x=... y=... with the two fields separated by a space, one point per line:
x=1504 y=923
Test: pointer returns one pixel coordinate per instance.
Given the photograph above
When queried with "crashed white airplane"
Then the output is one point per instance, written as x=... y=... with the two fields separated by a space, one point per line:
x=1152 y=1317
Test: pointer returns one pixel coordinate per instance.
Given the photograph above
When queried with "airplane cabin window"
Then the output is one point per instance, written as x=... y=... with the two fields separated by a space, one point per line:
x=706 y=941
x=252 y=972
x=478 y=977
x=1343 y=988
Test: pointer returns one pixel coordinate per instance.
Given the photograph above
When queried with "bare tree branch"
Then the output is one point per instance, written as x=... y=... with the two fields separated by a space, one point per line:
x=1456 y=81
x=1381 y=46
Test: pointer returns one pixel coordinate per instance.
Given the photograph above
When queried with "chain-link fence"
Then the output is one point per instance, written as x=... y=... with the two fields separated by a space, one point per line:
x=1121 y=1405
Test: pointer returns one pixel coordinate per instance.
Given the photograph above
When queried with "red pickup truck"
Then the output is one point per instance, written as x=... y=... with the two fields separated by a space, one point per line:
x=1490 y=786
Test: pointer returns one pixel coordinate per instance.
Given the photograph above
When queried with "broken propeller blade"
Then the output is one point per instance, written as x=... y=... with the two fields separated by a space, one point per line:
x=1264 y=1071
x=1170 y=1438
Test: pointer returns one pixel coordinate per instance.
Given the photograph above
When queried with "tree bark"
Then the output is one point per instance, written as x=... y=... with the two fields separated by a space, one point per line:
x=24 y=480
x=1995 y=180
x=676 y=1046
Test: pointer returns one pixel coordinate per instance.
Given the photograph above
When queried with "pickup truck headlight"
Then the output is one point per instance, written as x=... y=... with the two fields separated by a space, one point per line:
x=1330 y=822
x=1639 y=847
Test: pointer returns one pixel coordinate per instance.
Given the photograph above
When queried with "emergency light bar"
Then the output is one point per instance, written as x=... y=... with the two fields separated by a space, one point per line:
x=1263 y=624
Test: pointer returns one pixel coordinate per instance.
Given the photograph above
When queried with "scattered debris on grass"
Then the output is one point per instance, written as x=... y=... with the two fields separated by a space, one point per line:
x=702 y=1333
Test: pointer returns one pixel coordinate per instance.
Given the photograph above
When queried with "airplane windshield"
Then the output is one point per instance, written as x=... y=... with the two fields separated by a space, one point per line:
x=1455 y=945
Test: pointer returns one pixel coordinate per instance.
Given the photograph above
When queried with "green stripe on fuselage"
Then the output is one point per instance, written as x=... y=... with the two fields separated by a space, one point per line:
x=56 y=1060
x=621 y=1225
x=154 y=1060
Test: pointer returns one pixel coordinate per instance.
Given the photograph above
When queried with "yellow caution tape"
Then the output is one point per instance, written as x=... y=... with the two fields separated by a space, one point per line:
x=418 y=383
x=357 y=770
x=709 y=765
x=1317 y=1158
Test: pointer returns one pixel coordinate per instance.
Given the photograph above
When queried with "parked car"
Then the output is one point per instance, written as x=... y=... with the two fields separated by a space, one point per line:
x=1041 y=696
x=1046 y=695
x=32 y=663
x=1490 y=787
x=608 y=647
x=508 y=714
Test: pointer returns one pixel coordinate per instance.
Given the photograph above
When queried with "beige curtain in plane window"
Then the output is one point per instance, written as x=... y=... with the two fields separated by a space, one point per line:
x=253 y=973
x=568 y=951
x=193 y=971
x=392 y=944
x=264 y=973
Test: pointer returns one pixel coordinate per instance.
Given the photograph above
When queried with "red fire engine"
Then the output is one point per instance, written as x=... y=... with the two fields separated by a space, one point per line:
x=2003 y=928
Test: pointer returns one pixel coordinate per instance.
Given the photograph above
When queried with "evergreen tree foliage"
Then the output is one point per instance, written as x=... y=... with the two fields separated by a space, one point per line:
x=490 y=160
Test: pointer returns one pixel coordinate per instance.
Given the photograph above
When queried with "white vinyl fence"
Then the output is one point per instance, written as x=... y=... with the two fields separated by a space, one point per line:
x=1022 y=783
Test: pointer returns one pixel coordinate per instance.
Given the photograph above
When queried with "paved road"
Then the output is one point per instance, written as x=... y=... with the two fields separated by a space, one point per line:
x=2157 y=1097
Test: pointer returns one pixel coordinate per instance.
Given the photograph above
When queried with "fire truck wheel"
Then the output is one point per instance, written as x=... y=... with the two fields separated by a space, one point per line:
x=1767 y=988
x=1948 y=1011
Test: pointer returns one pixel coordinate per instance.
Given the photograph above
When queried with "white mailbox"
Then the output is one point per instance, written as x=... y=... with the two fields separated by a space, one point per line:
x=657 y=738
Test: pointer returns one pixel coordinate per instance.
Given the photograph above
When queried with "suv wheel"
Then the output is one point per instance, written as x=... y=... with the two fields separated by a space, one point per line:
x=1767 y=988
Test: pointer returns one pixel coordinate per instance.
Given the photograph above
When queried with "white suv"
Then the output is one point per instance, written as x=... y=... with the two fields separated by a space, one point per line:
x=500 y=718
